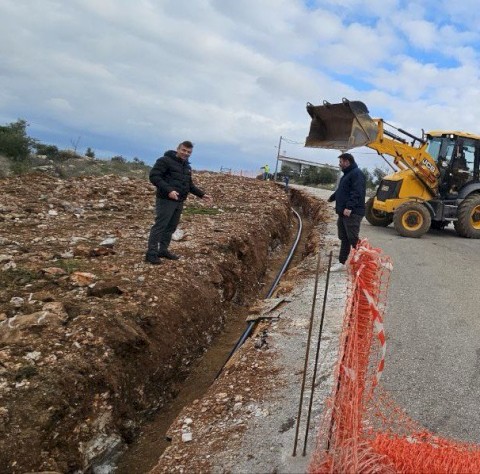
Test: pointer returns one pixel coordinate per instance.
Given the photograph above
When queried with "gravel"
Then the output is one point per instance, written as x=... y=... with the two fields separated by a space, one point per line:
x=264 y=406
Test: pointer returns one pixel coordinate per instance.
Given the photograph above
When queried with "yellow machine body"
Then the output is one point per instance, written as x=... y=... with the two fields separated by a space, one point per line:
x=436 y=179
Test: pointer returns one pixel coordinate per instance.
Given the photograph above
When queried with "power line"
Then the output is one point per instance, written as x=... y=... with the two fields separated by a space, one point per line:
x=293 y=142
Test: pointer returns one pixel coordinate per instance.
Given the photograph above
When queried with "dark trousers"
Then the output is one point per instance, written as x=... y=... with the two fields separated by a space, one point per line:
x=168 y=214
x=348 y=231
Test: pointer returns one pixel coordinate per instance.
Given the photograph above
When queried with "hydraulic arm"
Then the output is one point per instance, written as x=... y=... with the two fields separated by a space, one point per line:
x=436 y=180
x=348 y=125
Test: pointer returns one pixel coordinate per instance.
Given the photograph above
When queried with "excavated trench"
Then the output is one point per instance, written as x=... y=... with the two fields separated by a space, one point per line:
x=144 y=452
x=95 y=345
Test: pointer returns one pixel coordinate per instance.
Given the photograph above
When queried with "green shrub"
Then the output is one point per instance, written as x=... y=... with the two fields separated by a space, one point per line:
x=64 y=155
x=50 y=151
x=19 y=167
x=14 y=141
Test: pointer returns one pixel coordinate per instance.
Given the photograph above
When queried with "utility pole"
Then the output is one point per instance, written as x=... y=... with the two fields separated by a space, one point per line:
x=278 y=156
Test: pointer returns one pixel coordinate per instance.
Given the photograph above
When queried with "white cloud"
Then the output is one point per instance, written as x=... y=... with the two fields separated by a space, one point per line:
x=57 y=103
x=232 y=75
x=421 y=33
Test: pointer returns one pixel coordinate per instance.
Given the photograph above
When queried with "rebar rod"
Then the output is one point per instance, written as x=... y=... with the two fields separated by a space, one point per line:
x=307 y=350
x=320 y=330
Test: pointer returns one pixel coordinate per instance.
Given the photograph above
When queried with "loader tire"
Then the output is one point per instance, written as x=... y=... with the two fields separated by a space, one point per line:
x=377 y=218
x=468 y=222
x=412 y=219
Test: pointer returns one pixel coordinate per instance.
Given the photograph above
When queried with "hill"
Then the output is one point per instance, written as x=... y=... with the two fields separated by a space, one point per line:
x=67 y=164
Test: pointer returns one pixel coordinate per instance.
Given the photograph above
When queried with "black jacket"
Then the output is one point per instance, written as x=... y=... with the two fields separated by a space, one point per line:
x=351 y=190
x=171 y=173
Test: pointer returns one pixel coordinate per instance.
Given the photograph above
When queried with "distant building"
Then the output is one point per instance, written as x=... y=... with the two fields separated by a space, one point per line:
x=298 y=166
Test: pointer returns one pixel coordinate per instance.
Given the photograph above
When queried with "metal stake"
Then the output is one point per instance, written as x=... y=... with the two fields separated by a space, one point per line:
x=317 y=353
x=312 y=314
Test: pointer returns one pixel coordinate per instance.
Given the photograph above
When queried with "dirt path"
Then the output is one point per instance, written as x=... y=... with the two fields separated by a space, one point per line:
x=247 y=420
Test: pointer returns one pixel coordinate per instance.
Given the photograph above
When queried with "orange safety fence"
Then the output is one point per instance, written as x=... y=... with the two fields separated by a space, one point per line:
x=363 y=430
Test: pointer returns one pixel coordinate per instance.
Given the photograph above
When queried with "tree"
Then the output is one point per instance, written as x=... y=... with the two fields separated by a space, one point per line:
x=327 y=175
x=374 y=177
x=118 y=159
x=368 y=178
x=318 y=175
x=378 y=175
x=90 y=153
x=309 y=176
x=288 y=171
x=14 y=141
x=50 y=151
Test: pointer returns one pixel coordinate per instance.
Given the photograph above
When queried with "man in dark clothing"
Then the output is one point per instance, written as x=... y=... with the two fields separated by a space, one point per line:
x=172 y=176
x=286 y=178
x=350 y=206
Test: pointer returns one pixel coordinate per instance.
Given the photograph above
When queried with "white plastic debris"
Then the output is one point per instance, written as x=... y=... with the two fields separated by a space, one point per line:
x=179 y=234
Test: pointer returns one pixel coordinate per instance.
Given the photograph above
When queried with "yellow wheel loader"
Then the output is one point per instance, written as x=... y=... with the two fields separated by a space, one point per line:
x=435 y=179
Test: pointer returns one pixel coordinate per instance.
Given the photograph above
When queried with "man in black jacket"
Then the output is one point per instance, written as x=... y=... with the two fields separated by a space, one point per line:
x=350 y=206
x=172 y=176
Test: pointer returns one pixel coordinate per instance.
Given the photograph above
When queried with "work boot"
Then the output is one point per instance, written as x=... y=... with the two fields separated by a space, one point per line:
x=152 y=258
x=167 y=254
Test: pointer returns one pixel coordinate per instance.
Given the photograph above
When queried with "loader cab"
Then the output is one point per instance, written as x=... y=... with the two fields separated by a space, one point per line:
x=457 y=156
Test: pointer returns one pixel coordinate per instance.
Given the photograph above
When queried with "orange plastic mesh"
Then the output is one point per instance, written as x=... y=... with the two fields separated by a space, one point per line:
x=363 y=429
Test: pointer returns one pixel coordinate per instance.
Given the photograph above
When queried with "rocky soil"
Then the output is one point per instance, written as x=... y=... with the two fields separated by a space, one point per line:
x=247 y=420
x=93 y=340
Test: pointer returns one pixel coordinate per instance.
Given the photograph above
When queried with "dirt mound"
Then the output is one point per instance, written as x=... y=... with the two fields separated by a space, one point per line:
x=92 y=339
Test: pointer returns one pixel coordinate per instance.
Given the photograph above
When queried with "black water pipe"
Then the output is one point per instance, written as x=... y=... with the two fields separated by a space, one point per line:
x=252 y=324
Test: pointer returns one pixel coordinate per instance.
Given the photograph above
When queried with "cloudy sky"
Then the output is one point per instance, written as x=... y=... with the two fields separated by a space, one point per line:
x=136 y=77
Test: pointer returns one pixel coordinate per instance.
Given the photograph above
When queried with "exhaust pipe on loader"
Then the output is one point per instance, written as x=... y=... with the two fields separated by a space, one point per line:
x=340 y=126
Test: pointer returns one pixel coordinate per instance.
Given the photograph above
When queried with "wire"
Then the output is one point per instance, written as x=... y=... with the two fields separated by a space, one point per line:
x=293 y=142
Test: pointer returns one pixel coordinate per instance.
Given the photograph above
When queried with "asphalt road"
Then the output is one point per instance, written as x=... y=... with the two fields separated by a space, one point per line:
x=432 y=322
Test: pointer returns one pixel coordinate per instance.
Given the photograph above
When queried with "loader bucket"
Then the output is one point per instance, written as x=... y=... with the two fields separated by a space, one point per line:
x=340 y=126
